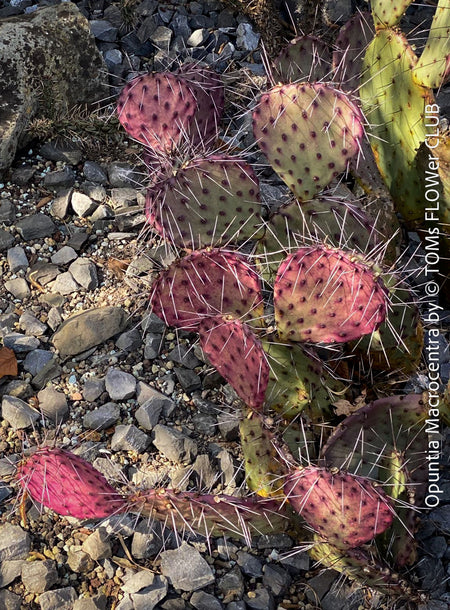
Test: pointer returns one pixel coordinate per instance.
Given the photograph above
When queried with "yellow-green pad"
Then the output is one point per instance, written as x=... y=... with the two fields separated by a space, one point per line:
x=433 y=67
x=395 y=105
x=388 y=12
x=299 y=383
x=264 y=470
x=359 y=564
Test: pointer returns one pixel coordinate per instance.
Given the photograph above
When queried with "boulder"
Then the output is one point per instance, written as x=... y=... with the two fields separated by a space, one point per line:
x=48 y=64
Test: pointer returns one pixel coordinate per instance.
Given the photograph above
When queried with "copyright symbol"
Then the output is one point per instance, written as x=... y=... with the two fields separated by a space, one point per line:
x=431 y=288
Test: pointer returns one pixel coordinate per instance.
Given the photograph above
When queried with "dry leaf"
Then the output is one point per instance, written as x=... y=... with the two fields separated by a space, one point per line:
x=343 y=407
x=117 y=267
x=8 y=362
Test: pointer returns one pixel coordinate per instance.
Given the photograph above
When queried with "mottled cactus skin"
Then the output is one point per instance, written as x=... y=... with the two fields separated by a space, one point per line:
x=398 y=342
x=433 y=68
x=388 y=12
x=361 y=565
x=208 y=201
x=378 y=431
x=334 y=219
x=68 y=485
x=350 y=47
x=298 y=383
x=395 y=106
x=309 y=133
x=264 y=468
x=305 y=58
x=207 y=282
x=163 y=110
x=156 y=109
x=346 y=510
x=236 y=352
x=323 y=295
x=208 y=91
x=210 y=515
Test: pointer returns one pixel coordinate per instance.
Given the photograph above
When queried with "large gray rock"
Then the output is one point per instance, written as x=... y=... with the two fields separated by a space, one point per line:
x=186 y=569
x=88 y=329
x=48 y=64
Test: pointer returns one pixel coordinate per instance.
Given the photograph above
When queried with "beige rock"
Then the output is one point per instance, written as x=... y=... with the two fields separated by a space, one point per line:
x=88 y=329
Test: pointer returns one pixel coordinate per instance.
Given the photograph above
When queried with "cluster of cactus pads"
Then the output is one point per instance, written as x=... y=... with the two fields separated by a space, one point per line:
x=347 y=486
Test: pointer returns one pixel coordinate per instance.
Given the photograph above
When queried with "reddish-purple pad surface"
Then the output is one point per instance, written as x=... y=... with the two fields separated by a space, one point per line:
x=346 y=510
x=204 y=283
x=68 y=485
x=325 y=295
x=237 y=353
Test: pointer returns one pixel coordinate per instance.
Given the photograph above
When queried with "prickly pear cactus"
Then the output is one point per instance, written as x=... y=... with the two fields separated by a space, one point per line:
x=299 y=383
x=397 y=344
x=360 y=565
x=395 y=106
x=208 y=91
x=264 y=469
x=156 y=110
x=330 y=219
x=305 y=58
x=208 y=201
x=207 y=282
x=388 y=13
x=323 y=295
x=210 y=515
x=309 y=133
x=433 y=67
x=369 y=441
x=236 y=352
x=350 y=47
x=68 y=485
x=346 y=510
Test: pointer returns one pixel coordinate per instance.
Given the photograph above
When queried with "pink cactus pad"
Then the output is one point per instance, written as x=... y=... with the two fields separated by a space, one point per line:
x=68 y=485
x=204 y=283
x=326 y=295
x=156 y=109
x=237 y=353
x=346 y=510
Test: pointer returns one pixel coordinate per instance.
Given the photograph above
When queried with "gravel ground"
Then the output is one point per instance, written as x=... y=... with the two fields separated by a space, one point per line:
x=128 y=394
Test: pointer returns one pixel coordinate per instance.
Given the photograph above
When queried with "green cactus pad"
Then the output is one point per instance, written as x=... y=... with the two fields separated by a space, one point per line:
x=68 y=485
x=346 y=510
x=299 y=383
x=397 y=344
x=156 y=110
x=309 y=133
x=301 y=441
x=304 y=58
x=264 y=470
x=350 y=47
x=325 y=295
x=207 y=202
x=360 y=565
x=395 y=105
x=398 y=541
x=388 y=12
x=210 y=515
x=207 y=282
x=236 y=352
x=331 y=219
x=433 y=67
x=365 y=441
